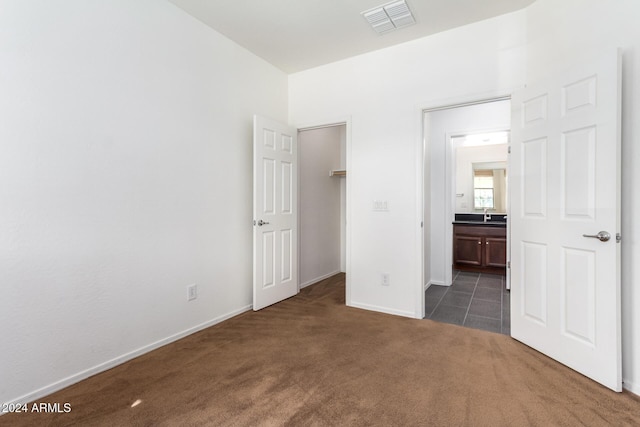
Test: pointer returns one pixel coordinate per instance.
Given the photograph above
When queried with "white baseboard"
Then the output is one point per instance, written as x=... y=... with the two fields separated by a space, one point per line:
x=317 y=279
x=631 y=387
x=66 y=382
x=434 y=282
x=383 y=309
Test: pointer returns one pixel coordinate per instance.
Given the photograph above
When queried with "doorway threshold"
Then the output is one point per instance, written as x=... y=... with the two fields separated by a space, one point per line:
x=474 y=300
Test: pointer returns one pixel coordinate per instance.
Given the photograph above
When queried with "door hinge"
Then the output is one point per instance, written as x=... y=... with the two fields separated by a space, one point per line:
x=509 y=150
x=508 y=264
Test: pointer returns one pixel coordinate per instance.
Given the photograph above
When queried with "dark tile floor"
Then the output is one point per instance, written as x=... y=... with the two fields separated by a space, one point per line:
x=475 y=300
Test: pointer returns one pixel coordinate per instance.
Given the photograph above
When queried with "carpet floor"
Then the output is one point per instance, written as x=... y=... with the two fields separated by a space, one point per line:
x=310 y=360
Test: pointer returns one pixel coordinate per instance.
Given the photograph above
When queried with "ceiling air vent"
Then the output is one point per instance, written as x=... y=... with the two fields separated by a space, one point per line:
x=389 y=17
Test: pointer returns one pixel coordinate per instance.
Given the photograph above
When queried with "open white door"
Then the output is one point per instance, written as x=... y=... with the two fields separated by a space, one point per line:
x=565 y=176
x=275 y=216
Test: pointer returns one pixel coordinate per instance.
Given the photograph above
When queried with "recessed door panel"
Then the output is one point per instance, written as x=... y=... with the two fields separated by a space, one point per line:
x=578 y=294
x=581 y=94
x=286 y=238
x=268 y=259
x=269 y=139
x=287 y=144
x=534 y=179
x=269 y=186
x=287 y=187
x=534 y=111
x=533 y=303
x=578 y=174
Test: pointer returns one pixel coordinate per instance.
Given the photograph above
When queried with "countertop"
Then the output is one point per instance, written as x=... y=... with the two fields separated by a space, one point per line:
x=478 y=223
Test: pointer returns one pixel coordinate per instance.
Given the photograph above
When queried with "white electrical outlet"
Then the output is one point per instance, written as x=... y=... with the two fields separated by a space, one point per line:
x=385 y=279
x=192 y=292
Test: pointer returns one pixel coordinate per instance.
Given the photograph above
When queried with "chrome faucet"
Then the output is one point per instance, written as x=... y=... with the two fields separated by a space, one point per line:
x=487 y=215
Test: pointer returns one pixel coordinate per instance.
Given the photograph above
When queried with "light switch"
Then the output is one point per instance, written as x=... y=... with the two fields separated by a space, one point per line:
x=380 y=205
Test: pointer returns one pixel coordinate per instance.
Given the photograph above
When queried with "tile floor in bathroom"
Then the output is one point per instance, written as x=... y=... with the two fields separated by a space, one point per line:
x=475 y=300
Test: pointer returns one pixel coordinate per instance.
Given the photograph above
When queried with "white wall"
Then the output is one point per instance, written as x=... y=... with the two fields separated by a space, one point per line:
x=560 y=33
x=125 y=175
x=319 y=151
x=383 y=92
x=439 y=125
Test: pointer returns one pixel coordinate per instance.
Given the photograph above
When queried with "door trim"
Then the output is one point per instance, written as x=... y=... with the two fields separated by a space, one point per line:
x=422 y=156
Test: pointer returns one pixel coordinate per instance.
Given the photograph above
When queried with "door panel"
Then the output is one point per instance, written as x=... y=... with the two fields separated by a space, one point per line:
x=578 y=287
x=532 y=284
x=534 y=178
x=275 y=257
x=578 y=154
x=565 y=172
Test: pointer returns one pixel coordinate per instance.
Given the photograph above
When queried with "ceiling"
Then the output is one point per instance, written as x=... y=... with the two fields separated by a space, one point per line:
x=295 y=35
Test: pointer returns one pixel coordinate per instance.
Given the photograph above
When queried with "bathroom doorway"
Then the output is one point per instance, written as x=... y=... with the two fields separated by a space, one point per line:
x=466 y=148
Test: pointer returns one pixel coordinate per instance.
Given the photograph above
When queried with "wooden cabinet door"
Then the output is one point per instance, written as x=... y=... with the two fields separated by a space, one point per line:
x=495 y=252
x=467 y=250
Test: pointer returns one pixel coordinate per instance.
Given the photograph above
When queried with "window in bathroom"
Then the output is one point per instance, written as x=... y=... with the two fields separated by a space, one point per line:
x=483 y=189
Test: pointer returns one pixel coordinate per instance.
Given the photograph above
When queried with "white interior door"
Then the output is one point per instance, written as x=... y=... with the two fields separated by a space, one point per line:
x=565 y=175
x=275 y=216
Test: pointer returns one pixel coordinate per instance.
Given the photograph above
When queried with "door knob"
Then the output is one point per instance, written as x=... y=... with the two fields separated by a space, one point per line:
x=603 y=236
x=261 y=223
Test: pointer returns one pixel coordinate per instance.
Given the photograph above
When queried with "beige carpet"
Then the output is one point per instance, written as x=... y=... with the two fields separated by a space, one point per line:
x=311 y=360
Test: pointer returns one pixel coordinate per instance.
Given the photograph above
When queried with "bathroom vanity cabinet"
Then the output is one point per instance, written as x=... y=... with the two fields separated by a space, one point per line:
x=480 y=247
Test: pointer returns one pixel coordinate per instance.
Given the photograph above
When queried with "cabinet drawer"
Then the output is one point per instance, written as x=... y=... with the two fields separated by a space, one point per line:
x=480 y=231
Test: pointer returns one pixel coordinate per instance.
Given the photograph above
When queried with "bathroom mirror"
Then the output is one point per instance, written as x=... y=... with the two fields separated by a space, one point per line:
x=480 y=174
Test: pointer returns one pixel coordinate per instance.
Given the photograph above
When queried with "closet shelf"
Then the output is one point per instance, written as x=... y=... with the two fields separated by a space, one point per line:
x=339 y=172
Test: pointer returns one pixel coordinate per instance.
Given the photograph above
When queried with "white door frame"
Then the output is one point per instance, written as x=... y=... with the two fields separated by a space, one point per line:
x=423 y=150
x=318 y=124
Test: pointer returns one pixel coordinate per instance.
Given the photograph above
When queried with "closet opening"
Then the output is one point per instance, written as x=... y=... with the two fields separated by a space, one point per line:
x=322 y=203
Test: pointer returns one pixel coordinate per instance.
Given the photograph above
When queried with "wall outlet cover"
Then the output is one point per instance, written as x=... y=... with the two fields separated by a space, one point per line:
x=385 y=279
x=192 y=292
